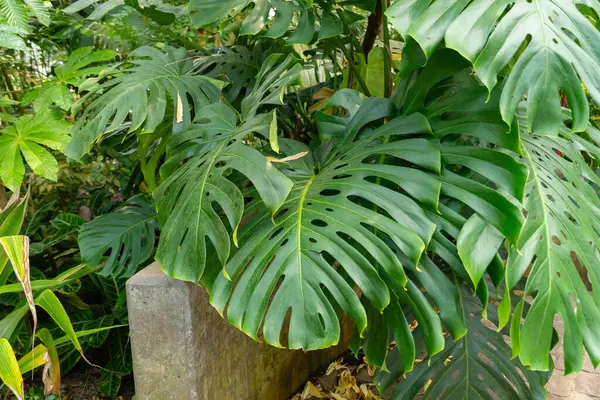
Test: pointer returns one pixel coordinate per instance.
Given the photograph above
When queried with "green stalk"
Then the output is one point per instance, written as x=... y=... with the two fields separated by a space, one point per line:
x=361 y=81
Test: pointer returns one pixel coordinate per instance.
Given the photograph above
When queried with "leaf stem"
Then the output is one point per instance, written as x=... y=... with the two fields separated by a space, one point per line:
x=359 y=78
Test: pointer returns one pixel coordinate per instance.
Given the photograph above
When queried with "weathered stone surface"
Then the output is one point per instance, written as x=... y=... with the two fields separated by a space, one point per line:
x=184 y=350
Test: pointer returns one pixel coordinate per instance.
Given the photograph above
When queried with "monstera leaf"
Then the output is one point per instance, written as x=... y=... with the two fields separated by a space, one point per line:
x=128 y=233
x=560 y=242
x=552 y=44
x=285 y=15
x=140 y=94
x=478 y=365
x=190 y=199
x=325 y=239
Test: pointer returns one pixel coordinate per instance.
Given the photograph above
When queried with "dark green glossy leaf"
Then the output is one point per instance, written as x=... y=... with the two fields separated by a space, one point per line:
x=140 y=94
x=216 y=144
x=552 y=44
x=127 y=234
x=478 y=365
x=559 y=241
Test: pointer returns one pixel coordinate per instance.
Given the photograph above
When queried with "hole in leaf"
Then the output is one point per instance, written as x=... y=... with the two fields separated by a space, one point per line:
x=277 y=232
x=330 y=192
x=319 y=223
x=342 y=176
x=556 y=240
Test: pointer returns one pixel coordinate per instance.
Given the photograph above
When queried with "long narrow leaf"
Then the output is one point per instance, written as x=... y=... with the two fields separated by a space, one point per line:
x=17 y=249
x=9 y=369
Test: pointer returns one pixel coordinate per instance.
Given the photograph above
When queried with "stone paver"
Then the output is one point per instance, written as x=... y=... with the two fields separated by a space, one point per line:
x=582 y=386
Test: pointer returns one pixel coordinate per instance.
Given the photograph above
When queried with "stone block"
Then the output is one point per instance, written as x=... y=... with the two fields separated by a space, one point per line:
x=588 y=383
x=560 y=384
x=184 y=350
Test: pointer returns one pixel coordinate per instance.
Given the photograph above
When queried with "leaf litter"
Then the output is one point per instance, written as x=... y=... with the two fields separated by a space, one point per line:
x=341 y=381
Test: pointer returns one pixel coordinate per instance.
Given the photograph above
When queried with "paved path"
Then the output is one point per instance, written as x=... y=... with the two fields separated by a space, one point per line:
x=582 y=386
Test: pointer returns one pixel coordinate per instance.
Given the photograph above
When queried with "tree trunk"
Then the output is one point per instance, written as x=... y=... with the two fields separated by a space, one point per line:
x=373 y=29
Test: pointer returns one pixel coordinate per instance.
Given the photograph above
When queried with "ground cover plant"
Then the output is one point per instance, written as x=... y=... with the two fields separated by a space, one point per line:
x=427 y=168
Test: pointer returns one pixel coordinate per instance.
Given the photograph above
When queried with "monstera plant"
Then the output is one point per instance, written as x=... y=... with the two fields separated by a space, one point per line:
x=452 y=218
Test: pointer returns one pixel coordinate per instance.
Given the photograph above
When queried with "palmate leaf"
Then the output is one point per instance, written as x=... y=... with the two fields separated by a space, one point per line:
x=128 y=233
x=553 y=45
x=324 y=233
x=478 y=365
x=26 y=139
x=190 y=199
x=81 y=63
x=141 y=94
x=560 y=241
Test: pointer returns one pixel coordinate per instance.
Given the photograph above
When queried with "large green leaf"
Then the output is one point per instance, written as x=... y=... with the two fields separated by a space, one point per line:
x=26 y=138
x=478 y=365
x=472 y=135
x=140 y=94
x=190 y=199
x=128 y=233
x=324 y=238
x=552 y=44
x=81 y=63
x=207 y=12
x=559 y=243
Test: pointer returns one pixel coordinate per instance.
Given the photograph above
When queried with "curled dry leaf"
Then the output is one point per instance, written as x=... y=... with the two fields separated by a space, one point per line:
x=179 y=116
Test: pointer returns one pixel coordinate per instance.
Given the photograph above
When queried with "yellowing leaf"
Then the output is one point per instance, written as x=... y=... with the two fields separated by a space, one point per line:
x=17 y=249
x=273 y=140
x=9 y=369
x=311 y=390
x=51 y=373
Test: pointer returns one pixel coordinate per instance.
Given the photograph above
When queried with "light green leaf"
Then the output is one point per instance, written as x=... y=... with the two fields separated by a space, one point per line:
x=14 y=12
x=17 y=250
x=50 y=303
x=40 y=160
x=12 y=168
x=9 y=369
x=26 y=136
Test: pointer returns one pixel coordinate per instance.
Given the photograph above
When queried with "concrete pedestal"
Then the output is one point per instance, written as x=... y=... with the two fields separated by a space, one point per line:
x=184 y=350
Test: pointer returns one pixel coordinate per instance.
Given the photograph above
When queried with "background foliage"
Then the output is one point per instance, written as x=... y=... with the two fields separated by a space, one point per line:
x=424 y=167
